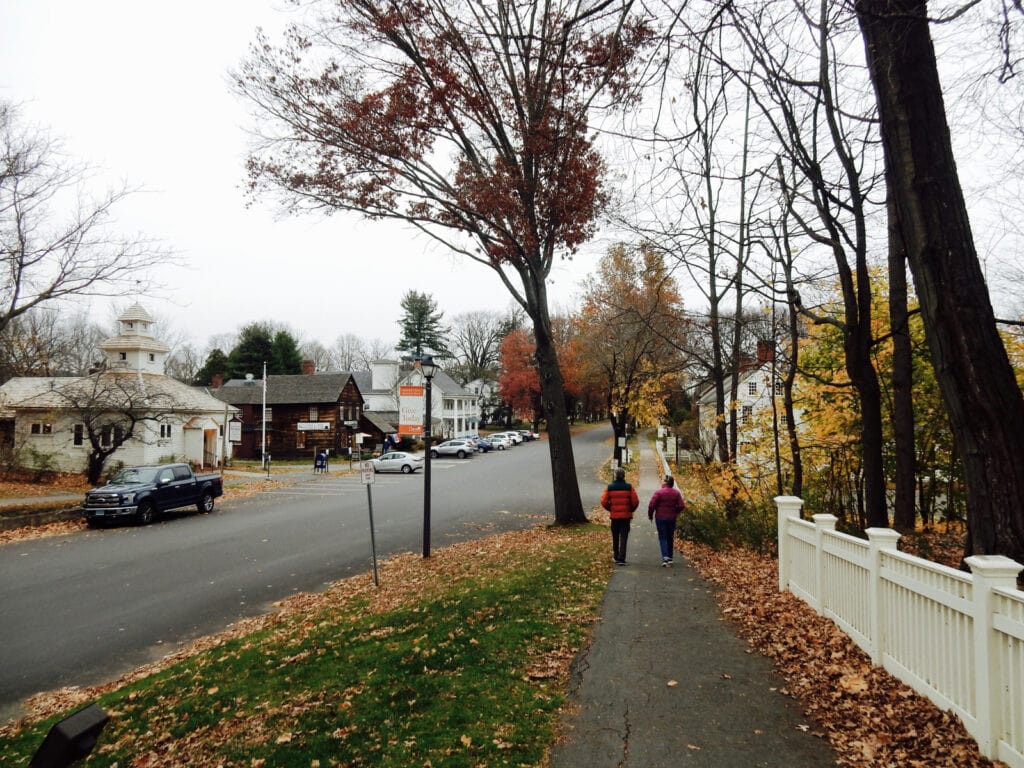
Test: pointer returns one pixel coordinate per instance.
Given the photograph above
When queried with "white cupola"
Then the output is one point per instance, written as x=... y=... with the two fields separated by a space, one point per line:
x=135 y=348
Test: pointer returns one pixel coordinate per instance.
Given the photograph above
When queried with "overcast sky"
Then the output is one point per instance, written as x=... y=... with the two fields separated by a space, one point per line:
x=140 y=90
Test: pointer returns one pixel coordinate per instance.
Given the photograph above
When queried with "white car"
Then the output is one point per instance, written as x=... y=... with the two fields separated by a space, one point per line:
x=513 y=437
x=499 y=442
x=397 y=461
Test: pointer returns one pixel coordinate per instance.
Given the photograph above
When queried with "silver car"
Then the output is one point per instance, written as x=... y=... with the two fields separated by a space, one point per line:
x=397 y=461
x=460 y=448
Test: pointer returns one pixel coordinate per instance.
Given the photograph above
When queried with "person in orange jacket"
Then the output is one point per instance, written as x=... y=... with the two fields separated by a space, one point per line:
x=620 y=499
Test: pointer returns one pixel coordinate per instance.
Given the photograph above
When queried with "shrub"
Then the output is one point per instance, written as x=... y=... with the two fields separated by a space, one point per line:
x=754 y=526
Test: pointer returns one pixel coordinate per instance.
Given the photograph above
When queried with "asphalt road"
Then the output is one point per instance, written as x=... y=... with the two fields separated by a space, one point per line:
x=87 y=607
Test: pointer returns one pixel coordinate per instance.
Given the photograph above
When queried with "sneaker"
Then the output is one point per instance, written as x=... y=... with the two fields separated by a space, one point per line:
x=621 y=562
x=664 y=563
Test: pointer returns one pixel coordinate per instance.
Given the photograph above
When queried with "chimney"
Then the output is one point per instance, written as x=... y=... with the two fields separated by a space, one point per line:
x=765 y=351
x=217 y=380
x=308 y=369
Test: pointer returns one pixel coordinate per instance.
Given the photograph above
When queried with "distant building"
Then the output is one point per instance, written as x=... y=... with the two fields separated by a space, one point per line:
x=456 y=410
x=45 y=421
x=305 y=413
x=759 y=383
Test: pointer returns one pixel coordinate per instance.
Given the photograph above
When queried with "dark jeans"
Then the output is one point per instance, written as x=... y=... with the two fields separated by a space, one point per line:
x=666 y=531
x=620 y=534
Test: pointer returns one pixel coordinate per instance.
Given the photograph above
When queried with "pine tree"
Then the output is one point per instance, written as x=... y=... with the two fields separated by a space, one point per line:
x=422 y=329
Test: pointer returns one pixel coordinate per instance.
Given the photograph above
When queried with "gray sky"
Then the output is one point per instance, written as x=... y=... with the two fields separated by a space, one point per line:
x=139 y=90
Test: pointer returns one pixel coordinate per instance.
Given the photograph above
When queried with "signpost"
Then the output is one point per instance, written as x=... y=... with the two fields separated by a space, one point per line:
x=366 y=471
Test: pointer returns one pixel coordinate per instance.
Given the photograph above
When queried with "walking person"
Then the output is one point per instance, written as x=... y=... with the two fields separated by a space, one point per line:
x=665 y=505
x=620 y=499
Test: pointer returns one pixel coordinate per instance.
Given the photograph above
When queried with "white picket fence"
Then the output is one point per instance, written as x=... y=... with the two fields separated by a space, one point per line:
x=955 y=637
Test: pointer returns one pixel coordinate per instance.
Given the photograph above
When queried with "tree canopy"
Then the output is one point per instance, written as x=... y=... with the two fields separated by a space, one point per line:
x=468 y=120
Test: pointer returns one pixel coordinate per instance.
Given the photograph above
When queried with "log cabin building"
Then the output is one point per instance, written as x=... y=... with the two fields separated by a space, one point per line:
x=306 y=413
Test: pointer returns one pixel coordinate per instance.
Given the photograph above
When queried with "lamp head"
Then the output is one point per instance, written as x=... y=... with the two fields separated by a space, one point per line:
x=427 y=366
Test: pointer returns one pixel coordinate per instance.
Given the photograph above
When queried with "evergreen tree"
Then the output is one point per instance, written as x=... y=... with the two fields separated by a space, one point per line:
x=422 y=330
x=254 y=348
x=286 y=357
x=216 y=362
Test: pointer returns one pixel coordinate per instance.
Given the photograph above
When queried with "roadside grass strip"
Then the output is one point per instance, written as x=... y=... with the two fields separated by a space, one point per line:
x=459 y=660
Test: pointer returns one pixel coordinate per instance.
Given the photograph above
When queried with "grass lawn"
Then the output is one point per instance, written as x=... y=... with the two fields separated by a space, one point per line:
x=459 y=660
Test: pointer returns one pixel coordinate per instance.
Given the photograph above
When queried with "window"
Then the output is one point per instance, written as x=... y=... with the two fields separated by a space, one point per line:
x=165 y=430
x=268 y=414
x=314 y=413
x=300 y=439
x=751 y=387
x=748 y=411
x=105 y=433
x=41 y=429
x=778 y=389
x=182 y=473
x=79 y=432
x=123 y=355
x=783 y=419
x=152 y=357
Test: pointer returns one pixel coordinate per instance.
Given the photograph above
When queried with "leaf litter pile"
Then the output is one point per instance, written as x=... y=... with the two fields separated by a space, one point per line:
x=869 y=717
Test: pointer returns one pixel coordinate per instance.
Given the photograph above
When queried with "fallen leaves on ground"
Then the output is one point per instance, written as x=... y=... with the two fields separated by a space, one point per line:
x=404 y=579
x=871 y=719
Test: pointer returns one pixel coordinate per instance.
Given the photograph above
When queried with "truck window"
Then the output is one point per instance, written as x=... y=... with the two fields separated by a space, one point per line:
x=182 y=473
x=166 y=474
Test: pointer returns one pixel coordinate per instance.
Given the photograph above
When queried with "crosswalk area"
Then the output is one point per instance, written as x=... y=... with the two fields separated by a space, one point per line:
x=345 y=484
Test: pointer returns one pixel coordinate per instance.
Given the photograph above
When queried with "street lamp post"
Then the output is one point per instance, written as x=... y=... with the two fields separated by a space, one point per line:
x=427 y=368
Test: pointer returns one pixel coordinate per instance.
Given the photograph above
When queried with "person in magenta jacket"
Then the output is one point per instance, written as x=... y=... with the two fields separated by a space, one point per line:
x=620 y=499
x=665 y=505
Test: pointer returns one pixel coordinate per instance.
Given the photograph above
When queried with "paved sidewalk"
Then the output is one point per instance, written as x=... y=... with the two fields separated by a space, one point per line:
x=666 y=683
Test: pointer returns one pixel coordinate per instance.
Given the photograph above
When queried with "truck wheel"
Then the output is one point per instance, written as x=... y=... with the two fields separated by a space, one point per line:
x=144 y=515
x=205 y=504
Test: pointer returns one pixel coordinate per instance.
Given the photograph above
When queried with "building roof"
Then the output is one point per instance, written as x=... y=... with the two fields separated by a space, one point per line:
x=36 y=392
x=292 y=389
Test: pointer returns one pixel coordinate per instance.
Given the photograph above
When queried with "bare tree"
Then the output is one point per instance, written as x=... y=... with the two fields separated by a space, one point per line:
x=114 y=408
x=350 y=353
x=47 y=253
x=474 y=341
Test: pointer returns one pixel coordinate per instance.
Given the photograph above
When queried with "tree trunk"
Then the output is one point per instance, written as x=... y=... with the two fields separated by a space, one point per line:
x=904 y=514
x=568 y=504
x=985 y=405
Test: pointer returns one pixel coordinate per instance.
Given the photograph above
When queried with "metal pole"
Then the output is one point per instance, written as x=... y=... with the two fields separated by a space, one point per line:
x=263 y=421
x=426 y=476
x=373 y=539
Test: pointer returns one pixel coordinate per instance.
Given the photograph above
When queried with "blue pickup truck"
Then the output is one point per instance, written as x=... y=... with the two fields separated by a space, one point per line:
x=141 y=493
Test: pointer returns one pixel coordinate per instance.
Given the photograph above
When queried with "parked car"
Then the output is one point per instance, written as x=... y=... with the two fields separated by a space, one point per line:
x=514 y=437
x=528 y=434
x=483 y=445
x=460 y=448
x=142 y=493
x=499 y=442
x=398 y=461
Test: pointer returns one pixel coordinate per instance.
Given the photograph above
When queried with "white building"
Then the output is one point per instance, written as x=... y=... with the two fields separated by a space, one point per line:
x=455 y=410
x=759 y=384
x=45 y=421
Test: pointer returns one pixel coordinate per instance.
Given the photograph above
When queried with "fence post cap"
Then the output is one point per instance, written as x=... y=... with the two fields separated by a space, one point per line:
x=994 y=566
x=884 y=537
x=823 y=518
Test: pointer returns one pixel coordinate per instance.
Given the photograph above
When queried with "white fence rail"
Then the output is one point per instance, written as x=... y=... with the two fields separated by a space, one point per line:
x=955 y=637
